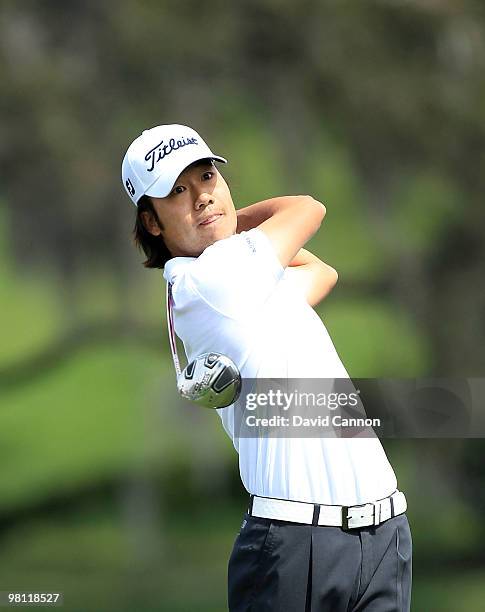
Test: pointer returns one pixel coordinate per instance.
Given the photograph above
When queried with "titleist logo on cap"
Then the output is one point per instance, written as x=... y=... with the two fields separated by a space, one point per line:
x=162 y=150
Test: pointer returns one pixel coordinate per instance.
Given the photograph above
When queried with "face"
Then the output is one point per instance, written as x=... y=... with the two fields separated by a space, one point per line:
x=196 y=213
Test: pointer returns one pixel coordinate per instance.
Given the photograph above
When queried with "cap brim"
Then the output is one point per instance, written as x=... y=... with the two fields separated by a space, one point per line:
x=164 y=184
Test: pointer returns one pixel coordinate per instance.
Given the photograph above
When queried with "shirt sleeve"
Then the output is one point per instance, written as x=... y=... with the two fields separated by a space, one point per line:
x=292 y=276
x=236 y=275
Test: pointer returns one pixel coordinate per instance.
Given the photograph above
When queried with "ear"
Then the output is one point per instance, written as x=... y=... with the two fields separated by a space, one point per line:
x=150 y=223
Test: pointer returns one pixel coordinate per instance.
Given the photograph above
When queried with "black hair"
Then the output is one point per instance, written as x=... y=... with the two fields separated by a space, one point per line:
x=154 y=247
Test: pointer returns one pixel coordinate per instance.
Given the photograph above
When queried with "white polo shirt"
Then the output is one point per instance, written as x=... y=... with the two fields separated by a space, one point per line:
x=237 y=299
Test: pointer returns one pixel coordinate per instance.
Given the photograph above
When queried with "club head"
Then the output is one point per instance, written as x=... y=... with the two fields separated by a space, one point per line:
x=211 y=380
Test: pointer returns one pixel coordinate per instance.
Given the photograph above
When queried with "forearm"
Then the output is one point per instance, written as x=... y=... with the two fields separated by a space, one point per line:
x=303 y=258
x=253 y=215
x=316 y=278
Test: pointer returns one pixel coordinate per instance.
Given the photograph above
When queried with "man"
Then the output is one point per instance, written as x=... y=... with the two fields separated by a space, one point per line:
x=326 y=528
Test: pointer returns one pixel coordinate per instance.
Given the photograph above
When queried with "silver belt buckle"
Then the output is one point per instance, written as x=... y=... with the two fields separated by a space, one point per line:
x=346 y=518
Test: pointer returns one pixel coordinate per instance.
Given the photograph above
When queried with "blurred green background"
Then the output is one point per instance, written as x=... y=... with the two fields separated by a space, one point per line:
x=109 y=491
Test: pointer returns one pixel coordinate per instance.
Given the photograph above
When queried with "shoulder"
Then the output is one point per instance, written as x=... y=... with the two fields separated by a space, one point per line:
x=233 y=275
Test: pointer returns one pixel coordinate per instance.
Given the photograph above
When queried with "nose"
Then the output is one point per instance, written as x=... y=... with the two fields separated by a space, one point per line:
x=203 y=199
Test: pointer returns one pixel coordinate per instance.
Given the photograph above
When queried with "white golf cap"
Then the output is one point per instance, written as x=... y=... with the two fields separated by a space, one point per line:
x=156 y=158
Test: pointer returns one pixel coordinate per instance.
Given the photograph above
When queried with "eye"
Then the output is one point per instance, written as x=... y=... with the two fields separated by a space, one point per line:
x=178 y=189
x=207 y=175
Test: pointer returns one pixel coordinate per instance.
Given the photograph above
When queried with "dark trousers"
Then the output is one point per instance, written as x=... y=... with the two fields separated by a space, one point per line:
x=277 y=566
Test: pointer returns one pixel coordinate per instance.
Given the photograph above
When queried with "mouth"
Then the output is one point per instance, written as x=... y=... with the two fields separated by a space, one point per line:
x=211 y=219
